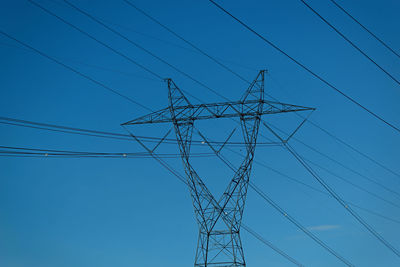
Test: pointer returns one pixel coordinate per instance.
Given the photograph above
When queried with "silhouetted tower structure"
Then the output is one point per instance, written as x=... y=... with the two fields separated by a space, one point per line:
x=219 y=221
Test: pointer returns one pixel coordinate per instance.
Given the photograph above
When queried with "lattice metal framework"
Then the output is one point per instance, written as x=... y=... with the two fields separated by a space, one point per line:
x=219 y=221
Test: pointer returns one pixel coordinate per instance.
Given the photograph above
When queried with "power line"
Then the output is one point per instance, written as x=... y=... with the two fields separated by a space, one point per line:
x=365 y=28
x=72 y=69
x=317 y=190
x=199 y=50
x=31 y=1
x=297 y=224
x=349 y=169
x=339 y=163
x=65 y=21
x=283 y=212
x=202 y=52
x=299 y=182
x=97 y=40
x=135 y=44
x=306 y=68
x=186 y=41
x=129 y=74
x=354 y=149
x=62 y=63
x=104 y=134
x=266 y=242
x=208 y=56
x=183 y=180
x=353 y=184
x=339 y=140
x=78 y=28
x=241 y=77
x=119 y=136
x=24 y=151
x=350 y=42
x=341 y=201
x=195 y=79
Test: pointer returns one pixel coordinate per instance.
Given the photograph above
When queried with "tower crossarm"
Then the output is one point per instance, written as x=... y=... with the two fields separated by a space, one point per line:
x=217 y=110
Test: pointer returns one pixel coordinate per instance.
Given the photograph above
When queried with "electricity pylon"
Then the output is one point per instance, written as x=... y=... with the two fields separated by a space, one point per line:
x=219 y=221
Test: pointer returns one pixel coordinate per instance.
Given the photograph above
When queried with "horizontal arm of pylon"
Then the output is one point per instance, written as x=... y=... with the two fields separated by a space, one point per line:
x=217 y=110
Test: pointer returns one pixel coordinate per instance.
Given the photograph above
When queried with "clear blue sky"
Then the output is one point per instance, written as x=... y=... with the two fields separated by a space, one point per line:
x=131 y=212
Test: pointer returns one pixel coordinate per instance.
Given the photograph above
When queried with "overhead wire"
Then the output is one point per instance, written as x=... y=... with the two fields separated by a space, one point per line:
x=95 y=81
x=268 y=243
x=93 y=66
x=247 y=228
x=104 y=26
x=72 y=69
x=349 y=169
x=354 y=184
x=104 y=134
x=350 y=42
x=369 y=228
x=186 y=41
x=141 y=48
x=19 y=151
x=30 y=1
x=79 y=131
x=230 y=70
x=299 y=182
x=297 y=224
x=342 y=202
x=95 y=39
x=307 y=69
x=336 y=138
x=282 y=211
x=319 y=127
x=149 y=52
x=354 y=149
x=365 y=28
x=243 y=79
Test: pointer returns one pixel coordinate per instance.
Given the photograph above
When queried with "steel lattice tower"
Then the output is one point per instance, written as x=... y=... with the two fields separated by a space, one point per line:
x=219 y=221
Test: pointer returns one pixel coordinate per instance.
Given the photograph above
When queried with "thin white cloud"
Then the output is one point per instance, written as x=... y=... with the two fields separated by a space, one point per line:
x=324 y=227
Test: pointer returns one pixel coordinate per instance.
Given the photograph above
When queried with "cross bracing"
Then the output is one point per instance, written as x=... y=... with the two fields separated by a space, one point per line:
x=219 y=220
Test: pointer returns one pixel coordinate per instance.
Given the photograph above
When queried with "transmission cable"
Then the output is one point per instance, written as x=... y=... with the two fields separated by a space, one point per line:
x=307 y=68
x=353 y=184
x=241 y=77
x=41 y=53
x=145 y=139
x=103 y=134
x=365 y=28
x=348 y=168
x=59 y=61
x=299 y=182
x=282 y=211
x=97 y=40
x=119 y=136
x=127 y=39
x=185 y=40
x=11 y=150
x=341 y=201
x=247 y=228
x=350 y=42
x=354 y=149
x=73 y=70
x=92 y=66
x=205 y=85
x=90 y=16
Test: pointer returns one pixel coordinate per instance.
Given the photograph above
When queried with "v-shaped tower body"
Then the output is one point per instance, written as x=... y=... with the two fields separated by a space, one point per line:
x=219 y=221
